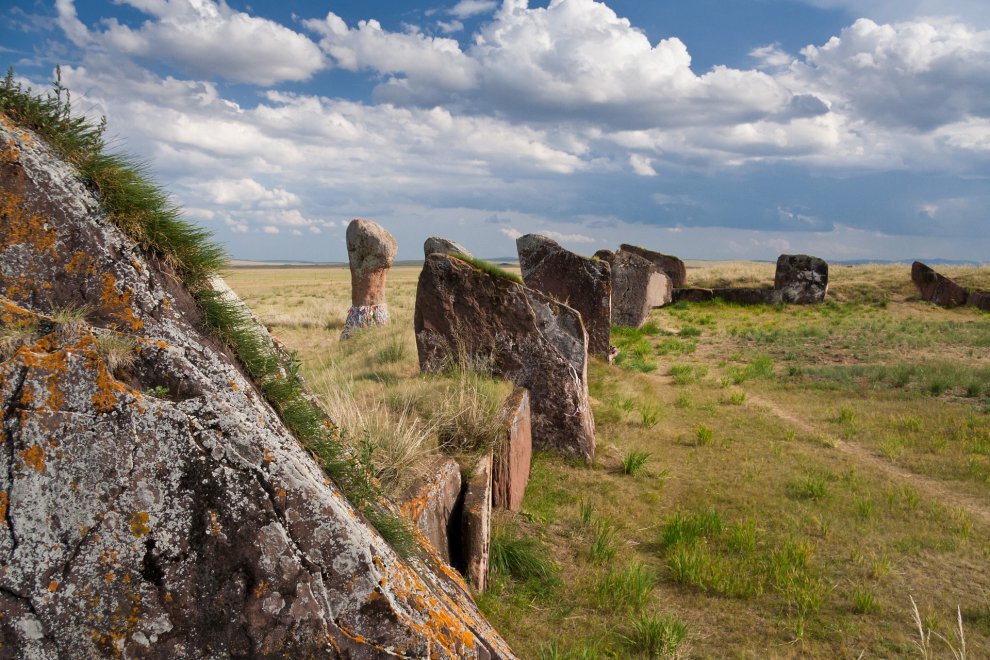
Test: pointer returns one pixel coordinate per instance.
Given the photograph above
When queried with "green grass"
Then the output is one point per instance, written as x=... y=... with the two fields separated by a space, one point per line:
x=656 y=636
x=626 y=588
x=633 y=462
x=491 y=269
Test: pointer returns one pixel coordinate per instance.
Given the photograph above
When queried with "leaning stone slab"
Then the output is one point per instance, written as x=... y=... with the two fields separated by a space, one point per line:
x=437 y=245
x=979 y=299
x=671 y=266
x=801 y=279
x=637 y=287
x=512 y=459
x=749 y=296
x=432 y=504
x=694 y=295
x=579 y=282
x=937 y=288
x=476 y=526
x=370 y=250
x=466 y=315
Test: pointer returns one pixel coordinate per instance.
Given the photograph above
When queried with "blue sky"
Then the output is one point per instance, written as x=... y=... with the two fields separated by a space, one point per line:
x=709 y=129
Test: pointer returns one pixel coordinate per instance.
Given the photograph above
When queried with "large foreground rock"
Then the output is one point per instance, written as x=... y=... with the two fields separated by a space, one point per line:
x=579 y=282
x=638 y=286
x=463 y=314
x=669 y=265
x=190 y=524
x=370 y=251
x=937 y=288
x=801 y=279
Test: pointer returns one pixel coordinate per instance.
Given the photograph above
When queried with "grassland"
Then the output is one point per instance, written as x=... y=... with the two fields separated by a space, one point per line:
x=770 y=481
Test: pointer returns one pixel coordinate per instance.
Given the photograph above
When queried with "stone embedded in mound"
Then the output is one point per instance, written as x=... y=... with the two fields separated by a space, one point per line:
x=749 y=296
x=477 y=523
x=671 y=266
x=937 y=288
x=187 y=525
x=512 y=459
x=437 y=245
x=579 y=282
x=433 y=504
x=637 y=287
x=466 y=315
x=979 y=299
x=694 y=294
x=801 y=279
x=370 y=250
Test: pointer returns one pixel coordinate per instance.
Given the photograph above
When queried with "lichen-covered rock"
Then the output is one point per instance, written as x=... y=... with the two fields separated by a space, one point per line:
x=463 y=314
x=476 y=528
x=514 y=455
x=370 y=250
x=671 y=266
x=638 y=286
x=801 y=279
x=432 y=504
x=188 y=523
x=579 y=282
x=936 y=288
x=437 y=245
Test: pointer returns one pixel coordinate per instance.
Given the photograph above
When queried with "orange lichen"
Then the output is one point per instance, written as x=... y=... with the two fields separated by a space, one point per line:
x=19 y=225
x=260 y=590
x=4 y=503
x=53 y=586
x=118 y=303
x=107 y=390
x=139 y=523
x=80 y=263
x=34 y=457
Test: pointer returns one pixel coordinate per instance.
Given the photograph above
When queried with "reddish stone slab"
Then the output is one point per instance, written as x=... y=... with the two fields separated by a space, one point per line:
x=510 y=470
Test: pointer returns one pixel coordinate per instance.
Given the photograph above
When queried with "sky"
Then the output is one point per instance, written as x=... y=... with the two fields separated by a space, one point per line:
x=708 y=129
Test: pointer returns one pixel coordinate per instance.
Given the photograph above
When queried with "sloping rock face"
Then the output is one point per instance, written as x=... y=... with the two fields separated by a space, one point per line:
x=937 y=288
x=637 y=287
x=801 y=279
x=463 y=314
x=437 y=245
x=671 y=266
x=188 y=526
x=370 y=250
x=579 y=282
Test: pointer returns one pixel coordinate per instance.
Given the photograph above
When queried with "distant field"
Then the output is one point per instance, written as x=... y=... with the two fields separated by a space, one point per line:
x=770 y=481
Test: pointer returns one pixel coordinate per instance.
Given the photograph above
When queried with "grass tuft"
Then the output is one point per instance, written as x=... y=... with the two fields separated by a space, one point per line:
x=489 y=268
x=634 y=462
x=656 y=636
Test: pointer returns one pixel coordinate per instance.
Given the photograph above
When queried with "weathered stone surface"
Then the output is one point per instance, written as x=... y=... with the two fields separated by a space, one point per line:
x=801 y=279
x=433 y=504
x=192 y=525
x=476 y=528
x=979 y=299
x=637 y=287
x=511 y=461
x=750 y=296
x=437 y=245
x=694 y=295
x=371 y=250
x=671 y=266
x=937 y=288
x=525 y=336
x=579 y=282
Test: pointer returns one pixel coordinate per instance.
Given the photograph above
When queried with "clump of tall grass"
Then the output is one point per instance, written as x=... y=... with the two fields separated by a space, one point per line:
x=489 y=268
x=634 y=461
x=118 y=351
x=626 y=588
x=656 y=636
x=924 y=641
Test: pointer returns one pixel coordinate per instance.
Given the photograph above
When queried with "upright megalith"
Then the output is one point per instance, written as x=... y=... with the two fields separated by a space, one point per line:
x=579 y=282
x=937 y=288
x=159 y=506
x=370 y=249
x=801 y=279
x=669 y=265
x=513 y=454
x=437 y=245
x=638 y=286
x=482 y=319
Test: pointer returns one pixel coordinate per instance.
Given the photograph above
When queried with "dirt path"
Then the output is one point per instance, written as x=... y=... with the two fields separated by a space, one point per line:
x=933 y=488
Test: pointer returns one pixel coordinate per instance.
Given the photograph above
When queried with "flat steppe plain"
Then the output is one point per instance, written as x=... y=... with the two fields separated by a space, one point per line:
x=770 y=481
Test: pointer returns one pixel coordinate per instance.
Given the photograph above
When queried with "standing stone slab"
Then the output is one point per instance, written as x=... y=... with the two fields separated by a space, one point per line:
x=511 y=463
x=937 y=288
x=437 y=245
x=476 y=526
x=579 y=282
x=370 y=250
x=432 y=504
x=637 y=287
x=801 y=279
x=671 y=266
x=463 y=314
